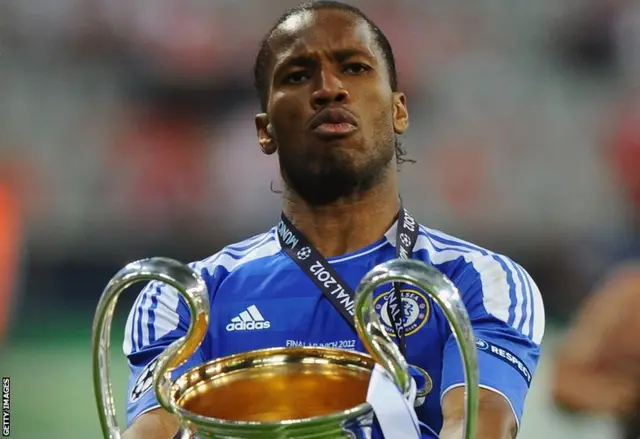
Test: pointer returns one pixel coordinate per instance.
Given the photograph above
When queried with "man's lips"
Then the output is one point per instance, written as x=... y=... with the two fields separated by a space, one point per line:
x=342 y=128
x=332 y=122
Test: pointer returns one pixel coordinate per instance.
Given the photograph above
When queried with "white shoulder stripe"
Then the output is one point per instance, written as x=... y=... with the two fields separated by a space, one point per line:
x=249 y=243
x=509 y=293
x=516 y=286
x=539 y=318
x=230 y=262
x=498 y=303
x=129 y=334
x=157 y=302
x=533 y=323
x=527 y=307
x=241 y=248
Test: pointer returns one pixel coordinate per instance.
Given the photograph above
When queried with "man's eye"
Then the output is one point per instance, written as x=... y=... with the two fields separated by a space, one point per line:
x=355 y=68
x=296 y=77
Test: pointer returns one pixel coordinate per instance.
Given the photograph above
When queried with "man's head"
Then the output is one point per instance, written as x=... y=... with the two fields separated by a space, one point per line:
x=326 y=78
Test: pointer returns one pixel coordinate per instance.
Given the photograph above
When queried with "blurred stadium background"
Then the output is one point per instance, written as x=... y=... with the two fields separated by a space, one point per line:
x=126 y=131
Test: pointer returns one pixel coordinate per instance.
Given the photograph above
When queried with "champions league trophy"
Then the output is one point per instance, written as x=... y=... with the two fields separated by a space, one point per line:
x=287 y=393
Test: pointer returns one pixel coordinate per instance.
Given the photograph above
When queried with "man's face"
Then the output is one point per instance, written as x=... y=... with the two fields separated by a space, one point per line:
x=331 y=112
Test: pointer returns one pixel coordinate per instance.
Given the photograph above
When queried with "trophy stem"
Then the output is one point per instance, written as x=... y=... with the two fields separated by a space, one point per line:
x=379 y=344
x=191 y=287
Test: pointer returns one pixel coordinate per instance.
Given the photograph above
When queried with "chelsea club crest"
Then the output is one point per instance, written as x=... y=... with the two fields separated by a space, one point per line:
x=415 y=306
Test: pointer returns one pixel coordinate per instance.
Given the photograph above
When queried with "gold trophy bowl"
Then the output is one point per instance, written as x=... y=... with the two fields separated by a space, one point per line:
x=288 y=393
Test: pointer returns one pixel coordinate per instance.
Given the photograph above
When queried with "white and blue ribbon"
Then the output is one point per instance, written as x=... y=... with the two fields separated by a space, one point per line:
x=395 y=413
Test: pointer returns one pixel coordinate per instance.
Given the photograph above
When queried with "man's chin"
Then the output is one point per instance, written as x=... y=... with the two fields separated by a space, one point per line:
x=322 y=190
x=324 y=187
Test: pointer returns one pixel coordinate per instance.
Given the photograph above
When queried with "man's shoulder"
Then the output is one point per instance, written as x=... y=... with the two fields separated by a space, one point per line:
x=240 y=254
x=442 y=247
x=472 y=265
x=488 y=278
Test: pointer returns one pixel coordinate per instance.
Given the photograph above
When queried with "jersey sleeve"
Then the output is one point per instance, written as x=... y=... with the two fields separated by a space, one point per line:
x=507 y=314
x=158 y=317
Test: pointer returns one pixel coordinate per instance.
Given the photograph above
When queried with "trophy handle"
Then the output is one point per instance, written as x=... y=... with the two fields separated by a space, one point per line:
x=191 y=287
x=379 y=344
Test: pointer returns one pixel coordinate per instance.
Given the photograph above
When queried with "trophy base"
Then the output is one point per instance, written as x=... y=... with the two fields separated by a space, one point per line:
x=276 y=385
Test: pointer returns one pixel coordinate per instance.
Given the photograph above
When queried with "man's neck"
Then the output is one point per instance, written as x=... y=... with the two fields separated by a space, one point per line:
x=348 y=224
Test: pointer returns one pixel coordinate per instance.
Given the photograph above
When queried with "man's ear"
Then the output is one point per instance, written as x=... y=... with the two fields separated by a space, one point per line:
x=265 y=134
x=400 y=113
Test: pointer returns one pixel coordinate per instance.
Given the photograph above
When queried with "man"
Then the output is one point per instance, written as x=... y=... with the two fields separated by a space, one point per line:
x=326 y=79
x=597 y=368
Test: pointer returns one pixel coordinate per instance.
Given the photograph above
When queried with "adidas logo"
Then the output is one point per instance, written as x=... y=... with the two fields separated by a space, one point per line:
x=248 y=320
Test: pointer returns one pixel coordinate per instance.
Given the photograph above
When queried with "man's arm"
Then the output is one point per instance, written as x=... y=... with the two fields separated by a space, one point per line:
x=507 y=315
x=156 y=424
x=495 y=417
x=596 y=368
x=158 y=318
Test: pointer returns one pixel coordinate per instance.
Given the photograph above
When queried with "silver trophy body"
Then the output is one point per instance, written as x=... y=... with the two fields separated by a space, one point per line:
x=284 y=393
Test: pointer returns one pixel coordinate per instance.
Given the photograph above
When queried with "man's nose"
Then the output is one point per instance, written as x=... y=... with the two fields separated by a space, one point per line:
x=329 y=89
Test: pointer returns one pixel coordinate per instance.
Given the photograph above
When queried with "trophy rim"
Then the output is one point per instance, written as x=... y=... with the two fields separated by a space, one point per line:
x=362 y=359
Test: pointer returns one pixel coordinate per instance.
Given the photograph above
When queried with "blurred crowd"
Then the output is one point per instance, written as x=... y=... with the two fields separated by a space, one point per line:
x=126 y=118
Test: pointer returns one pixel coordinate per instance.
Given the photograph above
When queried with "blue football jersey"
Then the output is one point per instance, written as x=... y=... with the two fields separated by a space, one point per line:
x=260 y=298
